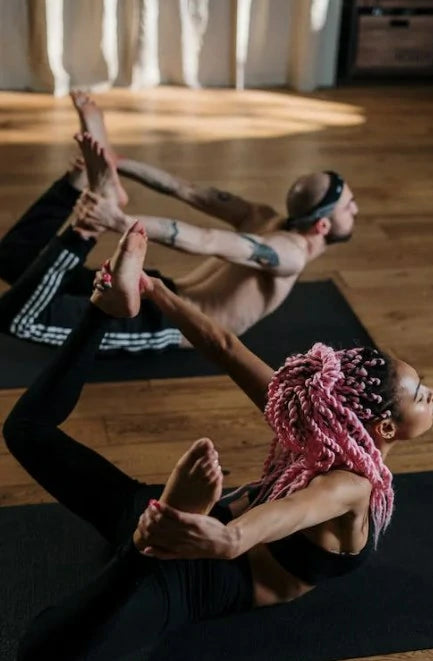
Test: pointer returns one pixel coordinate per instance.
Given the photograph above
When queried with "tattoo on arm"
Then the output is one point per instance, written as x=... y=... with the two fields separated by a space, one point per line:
x=222 y=196
x=174 y=231
x=262 y=254
x=166 y=188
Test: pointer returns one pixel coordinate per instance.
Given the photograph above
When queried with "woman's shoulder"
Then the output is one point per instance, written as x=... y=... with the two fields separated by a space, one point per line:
x=344 y=484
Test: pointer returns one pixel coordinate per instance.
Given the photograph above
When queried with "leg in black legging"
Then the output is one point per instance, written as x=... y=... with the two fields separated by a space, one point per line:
x=72 y=629
x=88 y=485
x=134 y=599
x=76 y=476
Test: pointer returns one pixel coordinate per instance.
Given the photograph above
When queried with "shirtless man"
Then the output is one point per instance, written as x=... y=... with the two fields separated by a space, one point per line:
x=251 y=270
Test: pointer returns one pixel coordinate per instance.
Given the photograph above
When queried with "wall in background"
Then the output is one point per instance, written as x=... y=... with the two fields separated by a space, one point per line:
x=53 y=45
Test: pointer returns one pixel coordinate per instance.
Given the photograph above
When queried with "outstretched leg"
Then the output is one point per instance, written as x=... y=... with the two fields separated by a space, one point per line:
x=78 y=477
x=124 y=608
x=101 y=169
x=22 y=244
x=40 y=223
x=91 y=120
x=44 y=306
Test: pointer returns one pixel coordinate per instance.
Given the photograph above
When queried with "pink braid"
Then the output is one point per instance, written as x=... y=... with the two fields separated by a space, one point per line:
x=317 y=403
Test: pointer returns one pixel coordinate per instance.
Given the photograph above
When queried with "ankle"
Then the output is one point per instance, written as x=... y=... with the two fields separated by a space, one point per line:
x=126 y=221
x=97 y=299
x=87 y=234
x=77 y=178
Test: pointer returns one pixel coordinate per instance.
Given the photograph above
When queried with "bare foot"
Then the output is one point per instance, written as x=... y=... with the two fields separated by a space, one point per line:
x=82 y=223
x=92 y=120
x=101 y=212
x=101 y=169
x=195 y=483
x=77 y=175
x=123 y=299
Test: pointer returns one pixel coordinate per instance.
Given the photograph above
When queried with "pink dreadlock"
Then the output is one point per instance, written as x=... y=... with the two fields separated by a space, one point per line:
x=317 y=405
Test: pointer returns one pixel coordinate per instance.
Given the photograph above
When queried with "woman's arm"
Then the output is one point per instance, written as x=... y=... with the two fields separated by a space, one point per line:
x=327 y=497
x=175 y=534
x=250 y=373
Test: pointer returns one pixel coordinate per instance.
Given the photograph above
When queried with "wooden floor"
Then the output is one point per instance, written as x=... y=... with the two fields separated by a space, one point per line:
x=253 y=143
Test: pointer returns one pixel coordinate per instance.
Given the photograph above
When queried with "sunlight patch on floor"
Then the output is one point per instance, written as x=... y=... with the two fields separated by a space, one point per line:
x=204 y=116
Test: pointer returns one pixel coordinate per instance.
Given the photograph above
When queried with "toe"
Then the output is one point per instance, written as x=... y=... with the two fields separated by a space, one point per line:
x=197 y=467
x=202 y=446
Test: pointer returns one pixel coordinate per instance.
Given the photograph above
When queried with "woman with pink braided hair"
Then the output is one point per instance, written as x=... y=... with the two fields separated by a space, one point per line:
x=325 y=493
x=323 y=498
x=318 y=404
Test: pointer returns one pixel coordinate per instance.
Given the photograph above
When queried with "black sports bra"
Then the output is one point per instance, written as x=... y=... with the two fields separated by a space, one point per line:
x=313 y=564
x=305 y=559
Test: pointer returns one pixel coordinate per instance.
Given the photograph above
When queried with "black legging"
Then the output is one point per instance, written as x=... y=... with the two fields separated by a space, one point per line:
x=134 y=600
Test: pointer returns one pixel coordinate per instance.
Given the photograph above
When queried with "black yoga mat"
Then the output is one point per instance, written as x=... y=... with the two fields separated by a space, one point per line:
x=384 y=607
x=314 y=311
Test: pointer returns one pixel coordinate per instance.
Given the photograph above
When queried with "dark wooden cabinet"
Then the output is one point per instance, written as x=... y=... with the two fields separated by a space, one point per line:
x=386 y=38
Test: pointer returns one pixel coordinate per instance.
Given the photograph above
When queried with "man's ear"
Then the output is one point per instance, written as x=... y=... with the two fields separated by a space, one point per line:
x=386 y=429
x=322 y=226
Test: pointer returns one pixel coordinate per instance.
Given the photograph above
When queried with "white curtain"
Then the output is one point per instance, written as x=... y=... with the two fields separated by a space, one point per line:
x=53 y=45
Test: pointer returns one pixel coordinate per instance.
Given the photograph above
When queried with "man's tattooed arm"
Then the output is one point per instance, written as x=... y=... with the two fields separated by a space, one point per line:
x=276 y=254
x=176 y=234
x=262 y=254
x=221 y=204
x=174 y=231
x=154 y=178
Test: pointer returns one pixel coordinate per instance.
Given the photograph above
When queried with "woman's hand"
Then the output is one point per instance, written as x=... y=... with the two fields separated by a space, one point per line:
x=102 y=281
x=166 y=533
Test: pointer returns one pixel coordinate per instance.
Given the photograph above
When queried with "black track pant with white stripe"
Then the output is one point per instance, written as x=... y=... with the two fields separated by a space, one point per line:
x=48 y=295
x=36 y=227
x=38 y=306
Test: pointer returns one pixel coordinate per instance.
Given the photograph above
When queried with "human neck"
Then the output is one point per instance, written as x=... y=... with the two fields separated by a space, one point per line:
x=384 y=448
x=315 y=245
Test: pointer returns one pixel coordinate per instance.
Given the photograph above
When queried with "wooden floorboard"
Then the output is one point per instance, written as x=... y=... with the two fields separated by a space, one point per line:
x=253 y=143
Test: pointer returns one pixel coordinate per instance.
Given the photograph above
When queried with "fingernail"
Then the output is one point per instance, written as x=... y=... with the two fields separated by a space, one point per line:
x=154 y=503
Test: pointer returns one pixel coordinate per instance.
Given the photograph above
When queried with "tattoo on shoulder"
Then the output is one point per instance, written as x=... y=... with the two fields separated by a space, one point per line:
x=174 y=231
x=262 y=254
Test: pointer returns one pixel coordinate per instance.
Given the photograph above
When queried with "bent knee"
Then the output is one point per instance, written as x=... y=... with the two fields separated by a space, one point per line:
x=16 y=431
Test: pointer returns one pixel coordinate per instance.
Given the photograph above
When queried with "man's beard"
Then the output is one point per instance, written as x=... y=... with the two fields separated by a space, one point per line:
x=331 y=237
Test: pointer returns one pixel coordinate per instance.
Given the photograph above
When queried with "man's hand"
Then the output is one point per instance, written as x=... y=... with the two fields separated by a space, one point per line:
x=102 y=212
